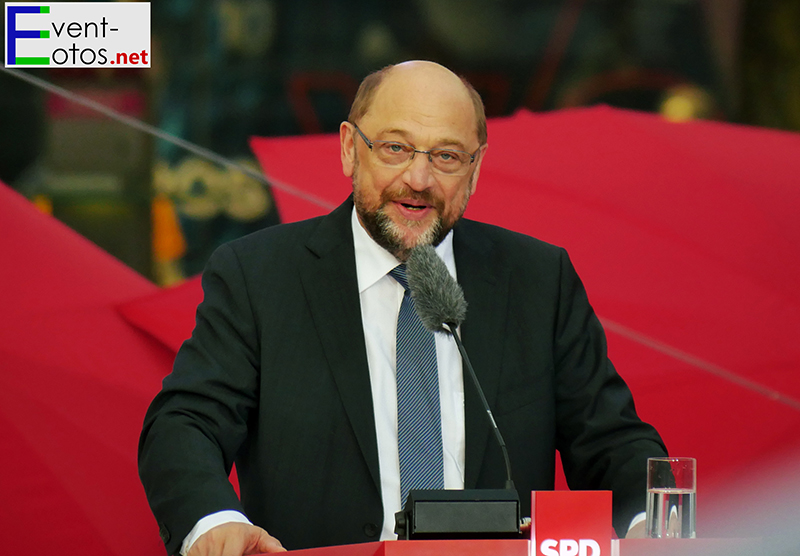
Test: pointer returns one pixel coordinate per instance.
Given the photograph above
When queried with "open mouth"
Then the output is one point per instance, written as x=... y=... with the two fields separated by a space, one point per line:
x=411 y=209
x=414 y=206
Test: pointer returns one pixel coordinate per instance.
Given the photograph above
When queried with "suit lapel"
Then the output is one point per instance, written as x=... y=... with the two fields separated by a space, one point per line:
x=331 y=287
x=484 y=279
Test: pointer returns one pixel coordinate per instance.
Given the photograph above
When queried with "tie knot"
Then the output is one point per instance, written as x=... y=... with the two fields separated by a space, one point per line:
x=399 y=274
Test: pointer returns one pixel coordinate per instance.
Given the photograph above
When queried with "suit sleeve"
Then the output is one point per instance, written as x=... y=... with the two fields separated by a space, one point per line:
x=603 y=443
x=196 y=424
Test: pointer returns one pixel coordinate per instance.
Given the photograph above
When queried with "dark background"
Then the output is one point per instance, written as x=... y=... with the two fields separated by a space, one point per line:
x=229 y=69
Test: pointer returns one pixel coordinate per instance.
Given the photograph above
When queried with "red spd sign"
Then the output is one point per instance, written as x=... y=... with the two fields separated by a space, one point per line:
x=571 y=523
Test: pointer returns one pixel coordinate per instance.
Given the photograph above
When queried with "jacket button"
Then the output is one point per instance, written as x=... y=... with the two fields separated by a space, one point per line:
x=371 y=530
x=163 y=532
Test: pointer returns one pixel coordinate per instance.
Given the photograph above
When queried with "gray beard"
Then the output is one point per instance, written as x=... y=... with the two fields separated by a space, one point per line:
x=388 y=235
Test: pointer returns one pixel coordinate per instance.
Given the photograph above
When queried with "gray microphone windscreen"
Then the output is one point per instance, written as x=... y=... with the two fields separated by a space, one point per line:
x=437 y=296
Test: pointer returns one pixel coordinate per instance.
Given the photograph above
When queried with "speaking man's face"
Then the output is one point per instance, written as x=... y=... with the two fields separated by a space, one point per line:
x=405 y=203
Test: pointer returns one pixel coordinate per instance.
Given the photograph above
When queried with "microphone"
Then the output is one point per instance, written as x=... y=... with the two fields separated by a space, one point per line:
x=449 y=514
x=437 y=296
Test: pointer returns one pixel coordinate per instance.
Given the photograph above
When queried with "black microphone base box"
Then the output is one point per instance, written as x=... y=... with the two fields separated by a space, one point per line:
x=459 y=514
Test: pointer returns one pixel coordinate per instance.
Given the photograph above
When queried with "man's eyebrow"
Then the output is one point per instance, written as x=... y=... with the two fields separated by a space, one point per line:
x=454 y=143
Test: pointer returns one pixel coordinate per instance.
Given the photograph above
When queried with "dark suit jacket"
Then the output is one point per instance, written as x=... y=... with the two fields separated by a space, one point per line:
x=275 y=378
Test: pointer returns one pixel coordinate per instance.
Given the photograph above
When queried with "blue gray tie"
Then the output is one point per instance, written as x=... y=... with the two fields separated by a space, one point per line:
x=419 y=420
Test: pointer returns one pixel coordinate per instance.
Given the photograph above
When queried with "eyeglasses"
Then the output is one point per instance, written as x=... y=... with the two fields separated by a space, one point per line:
x=448 y=162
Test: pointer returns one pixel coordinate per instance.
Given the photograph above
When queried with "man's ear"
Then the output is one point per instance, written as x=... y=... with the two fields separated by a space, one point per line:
x=478 y=160
x=348 y=148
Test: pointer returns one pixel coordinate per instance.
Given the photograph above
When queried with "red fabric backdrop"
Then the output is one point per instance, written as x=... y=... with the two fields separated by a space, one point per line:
x=75 y=381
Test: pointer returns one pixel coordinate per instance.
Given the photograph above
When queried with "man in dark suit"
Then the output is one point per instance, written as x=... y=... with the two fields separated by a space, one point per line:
x=290 y=368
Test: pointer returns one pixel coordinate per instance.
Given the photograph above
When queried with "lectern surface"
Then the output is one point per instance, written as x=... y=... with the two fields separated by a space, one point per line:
x=481 y=547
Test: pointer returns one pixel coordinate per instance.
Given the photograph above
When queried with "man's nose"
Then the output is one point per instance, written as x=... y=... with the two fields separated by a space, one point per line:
x=419 y=173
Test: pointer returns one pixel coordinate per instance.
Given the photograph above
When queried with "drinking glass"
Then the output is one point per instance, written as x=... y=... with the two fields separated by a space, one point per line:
x=671 y=498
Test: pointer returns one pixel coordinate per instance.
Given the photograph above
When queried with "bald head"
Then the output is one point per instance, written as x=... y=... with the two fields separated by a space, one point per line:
x=423 y=81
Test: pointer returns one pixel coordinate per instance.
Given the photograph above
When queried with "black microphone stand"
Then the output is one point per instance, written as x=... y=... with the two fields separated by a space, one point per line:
x=492 y=422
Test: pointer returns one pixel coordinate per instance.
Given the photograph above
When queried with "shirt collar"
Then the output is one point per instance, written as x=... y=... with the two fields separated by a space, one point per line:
x=373 y=262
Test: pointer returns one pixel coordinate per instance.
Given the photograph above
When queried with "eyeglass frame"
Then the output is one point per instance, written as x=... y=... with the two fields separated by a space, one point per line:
x=415 y=150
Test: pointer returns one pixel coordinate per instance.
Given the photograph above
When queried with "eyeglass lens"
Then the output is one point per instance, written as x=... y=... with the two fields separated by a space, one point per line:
x=399 y=154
